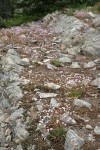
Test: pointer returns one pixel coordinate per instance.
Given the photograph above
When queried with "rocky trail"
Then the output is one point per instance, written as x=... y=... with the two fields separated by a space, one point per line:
x=50 y=84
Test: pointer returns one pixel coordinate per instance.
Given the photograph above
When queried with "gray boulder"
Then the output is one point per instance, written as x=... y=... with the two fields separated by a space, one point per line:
x=73 y=141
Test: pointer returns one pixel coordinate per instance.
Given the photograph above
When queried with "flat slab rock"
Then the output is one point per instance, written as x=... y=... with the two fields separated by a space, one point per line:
x=46 y=95
x=82 y=103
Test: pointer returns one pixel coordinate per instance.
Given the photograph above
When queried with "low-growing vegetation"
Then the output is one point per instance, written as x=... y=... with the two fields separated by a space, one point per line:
x=56 y=63
x=76 y=94
x=58 y=132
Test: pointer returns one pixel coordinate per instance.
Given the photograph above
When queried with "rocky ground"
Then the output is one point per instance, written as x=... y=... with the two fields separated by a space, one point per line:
x=50 y=84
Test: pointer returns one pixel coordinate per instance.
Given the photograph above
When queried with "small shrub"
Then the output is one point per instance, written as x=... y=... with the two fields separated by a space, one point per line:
x=56 y=63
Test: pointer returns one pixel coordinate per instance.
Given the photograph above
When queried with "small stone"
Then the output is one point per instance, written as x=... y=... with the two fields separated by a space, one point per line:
x=54 y=103
x=67 y=119
x=65 y=60
x=75 y=65
x=97 y=130
x=52 y=86
x=25 y=61
x=88 y=127
x=46 y=95
x=97 y=61
x=89 y=65
x=49 y=66
x=39 y=107
x=22 y=36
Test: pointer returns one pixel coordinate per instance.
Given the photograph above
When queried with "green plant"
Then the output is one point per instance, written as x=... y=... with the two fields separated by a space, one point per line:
x=56 y=63
x=76 y=94
x=58 y=132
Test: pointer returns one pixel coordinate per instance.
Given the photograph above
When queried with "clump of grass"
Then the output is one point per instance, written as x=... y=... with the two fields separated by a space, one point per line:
x=58 y=132
x=76 y=94
x=56 y=63
x=96 y=8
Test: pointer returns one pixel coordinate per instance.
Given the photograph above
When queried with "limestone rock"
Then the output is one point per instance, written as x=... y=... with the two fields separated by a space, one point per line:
x=52 y=86
x=73 y=141
x=46 y=95
x=82 y=103
x=67 y=119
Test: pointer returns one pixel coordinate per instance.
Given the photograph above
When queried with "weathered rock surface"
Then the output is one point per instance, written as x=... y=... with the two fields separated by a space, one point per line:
x=81 y=103
x=73 y=141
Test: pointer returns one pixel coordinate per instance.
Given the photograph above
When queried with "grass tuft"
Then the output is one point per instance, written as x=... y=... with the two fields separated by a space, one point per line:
x=58 y=132
x=76 y=94
x=56 y=63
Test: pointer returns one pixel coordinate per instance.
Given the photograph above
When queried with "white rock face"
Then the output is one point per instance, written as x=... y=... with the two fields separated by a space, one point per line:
x=73 y=141
x=52 y=86
x=82 y=103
